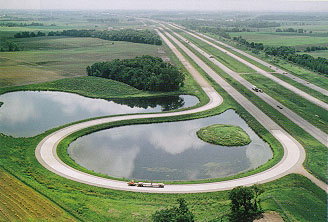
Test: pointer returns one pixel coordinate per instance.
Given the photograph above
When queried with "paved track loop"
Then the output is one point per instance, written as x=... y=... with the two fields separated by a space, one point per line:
x=294 y=154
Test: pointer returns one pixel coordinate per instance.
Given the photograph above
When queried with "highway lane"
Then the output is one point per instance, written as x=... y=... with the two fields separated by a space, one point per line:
x=275 y=68
x=304 y=124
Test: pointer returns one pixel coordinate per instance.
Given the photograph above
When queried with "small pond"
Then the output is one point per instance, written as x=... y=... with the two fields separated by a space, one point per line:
x=168 y=151
x=28 y=113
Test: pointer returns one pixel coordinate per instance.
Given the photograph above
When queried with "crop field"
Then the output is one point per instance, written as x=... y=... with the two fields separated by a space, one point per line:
x=53 y=58
x=20 y=202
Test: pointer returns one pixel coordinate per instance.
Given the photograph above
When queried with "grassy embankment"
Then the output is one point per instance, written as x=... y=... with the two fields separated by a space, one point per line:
x=298 y=104
x=225 y=135
x=316 y=161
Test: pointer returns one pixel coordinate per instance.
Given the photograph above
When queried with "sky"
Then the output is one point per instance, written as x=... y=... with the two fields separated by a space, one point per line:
x=199 y=5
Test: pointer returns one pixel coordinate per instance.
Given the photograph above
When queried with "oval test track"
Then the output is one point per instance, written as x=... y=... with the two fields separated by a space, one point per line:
x=46 y=150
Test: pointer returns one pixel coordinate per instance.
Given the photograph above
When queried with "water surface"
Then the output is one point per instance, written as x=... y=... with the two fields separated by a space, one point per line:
x=28 y=113
x=168 y=151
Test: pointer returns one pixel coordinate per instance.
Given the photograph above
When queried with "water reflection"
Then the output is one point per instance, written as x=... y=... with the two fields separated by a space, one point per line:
x=168 y=151
x=28 y=113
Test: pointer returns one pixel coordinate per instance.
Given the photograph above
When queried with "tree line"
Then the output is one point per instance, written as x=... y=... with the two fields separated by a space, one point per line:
x=253 y=45
x=145 y=73
x=128 y=35
x=315 y=48
x=13 y=24
x=289 y=53
x=29 y=34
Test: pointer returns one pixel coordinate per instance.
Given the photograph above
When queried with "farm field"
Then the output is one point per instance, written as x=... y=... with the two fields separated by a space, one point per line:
x=57 y=57
x=20 y=202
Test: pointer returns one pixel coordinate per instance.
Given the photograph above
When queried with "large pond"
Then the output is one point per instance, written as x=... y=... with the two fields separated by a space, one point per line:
x=168 y=151
x=28 y=113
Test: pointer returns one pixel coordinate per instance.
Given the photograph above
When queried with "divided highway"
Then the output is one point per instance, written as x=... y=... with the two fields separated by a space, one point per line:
x=267 y=74
x=292 y=160
x=305 y=125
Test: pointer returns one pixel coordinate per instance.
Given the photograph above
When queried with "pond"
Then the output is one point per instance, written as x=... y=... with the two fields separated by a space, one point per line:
x=28 y=113
x=168 y=151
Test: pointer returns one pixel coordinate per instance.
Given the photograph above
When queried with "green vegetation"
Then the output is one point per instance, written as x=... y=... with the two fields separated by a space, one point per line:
x=145 y=73
x=225 y=135
x=245 y=203
x=21 y=203
x=174 y=214
x=29 y=34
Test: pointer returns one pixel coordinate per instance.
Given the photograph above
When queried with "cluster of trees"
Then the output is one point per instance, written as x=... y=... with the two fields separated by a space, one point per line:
x=12 y=24
x=253 y=45
x=145 y=73
x=11 y=47
x=128 y=35
x=245 y=207
x=174 y=214
x=281 y=51
x=318 y=64
x=315 y=48
x=216 y=31
x=29 y=34
x=245 y=203
x=289 y=53
x=292 y=30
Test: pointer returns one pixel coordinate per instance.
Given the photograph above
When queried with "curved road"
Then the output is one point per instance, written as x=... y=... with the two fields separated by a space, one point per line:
x=293 y=156
x=305 y=125
x=276 y=69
